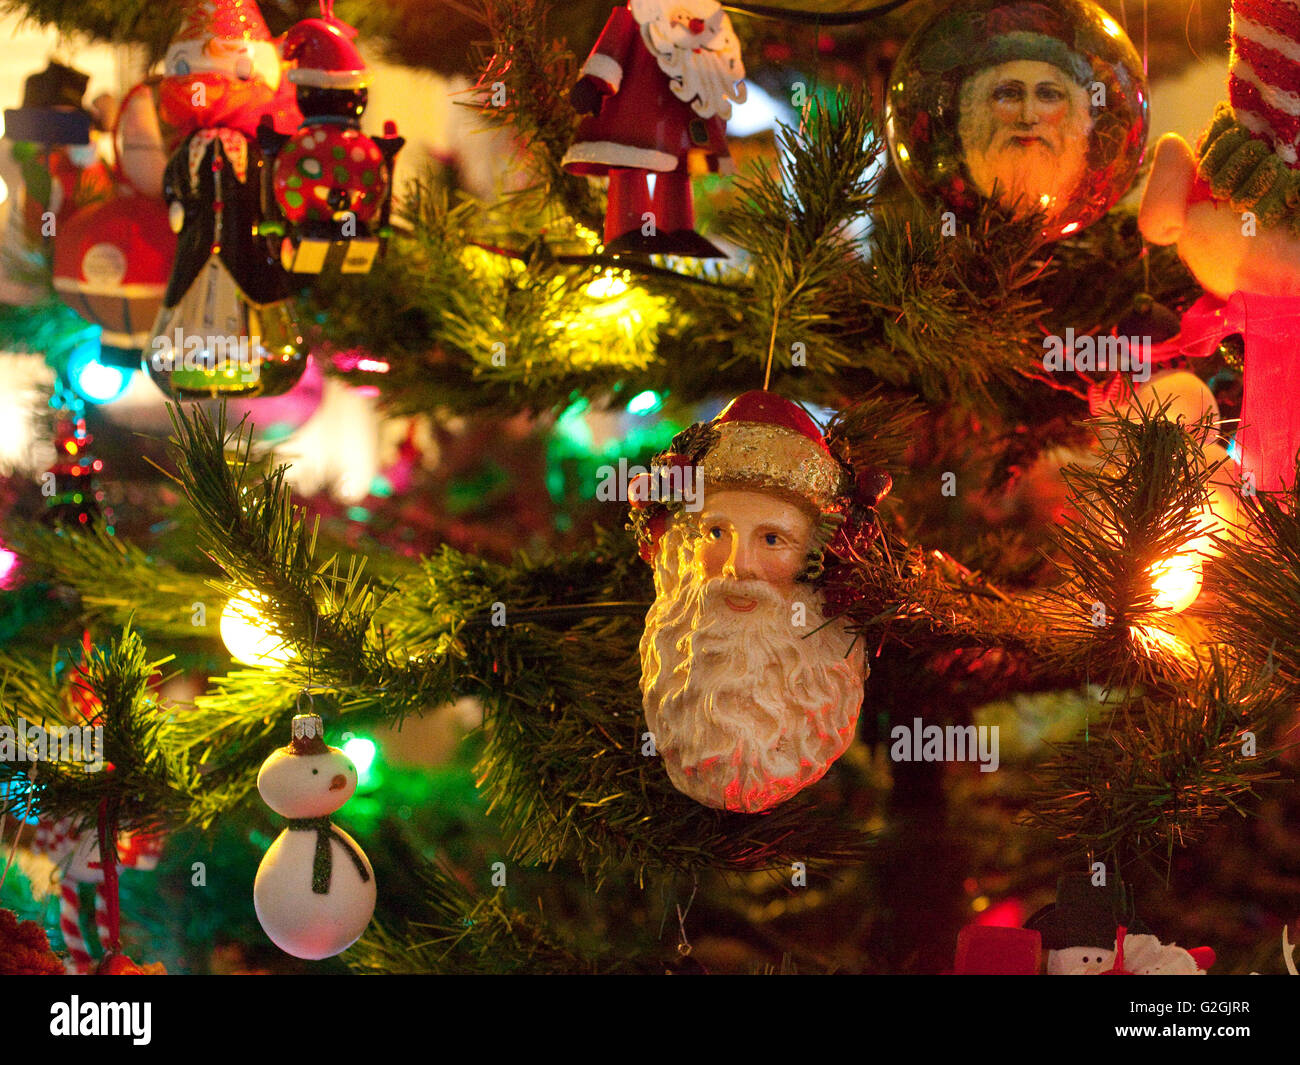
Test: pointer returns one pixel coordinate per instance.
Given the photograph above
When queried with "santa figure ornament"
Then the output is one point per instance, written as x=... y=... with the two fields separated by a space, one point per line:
x=1233 y=209
x=225 y=327
x=331 y=183
x=658 y=87
x=315 y=890
x=749 y=690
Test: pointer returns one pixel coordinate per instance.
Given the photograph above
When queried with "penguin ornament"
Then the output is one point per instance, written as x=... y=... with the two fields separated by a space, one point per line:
x=315 y=890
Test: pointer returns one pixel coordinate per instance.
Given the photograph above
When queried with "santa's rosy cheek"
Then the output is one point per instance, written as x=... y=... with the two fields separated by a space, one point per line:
x=1006 y=112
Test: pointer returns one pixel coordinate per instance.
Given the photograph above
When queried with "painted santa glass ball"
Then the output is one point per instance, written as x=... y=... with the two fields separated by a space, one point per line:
x=1040 y=108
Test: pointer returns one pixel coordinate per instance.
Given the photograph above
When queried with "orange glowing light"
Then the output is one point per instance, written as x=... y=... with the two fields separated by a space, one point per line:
x=1177 y=580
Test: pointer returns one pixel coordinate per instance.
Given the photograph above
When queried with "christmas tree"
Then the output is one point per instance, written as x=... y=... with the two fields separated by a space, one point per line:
x=828 y=503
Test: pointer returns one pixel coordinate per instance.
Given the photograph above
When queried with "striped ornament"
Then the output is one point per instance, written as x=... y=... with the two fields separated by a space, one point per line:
x=1264 y=72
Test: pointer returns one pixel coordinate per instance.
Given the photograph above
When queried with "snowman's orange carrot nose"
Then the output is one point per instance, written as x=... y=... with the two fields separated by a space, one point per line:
x=339 y=781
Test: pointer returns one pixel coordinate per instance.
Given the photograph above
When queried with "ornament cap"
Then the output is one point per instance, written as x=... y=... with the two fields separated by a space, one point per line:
x=308 y=735
x=768 y=443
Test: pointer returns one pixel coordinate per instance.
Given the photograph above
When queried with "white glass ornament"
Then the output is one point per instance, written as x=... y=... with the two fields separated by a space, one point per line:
x=315 y=889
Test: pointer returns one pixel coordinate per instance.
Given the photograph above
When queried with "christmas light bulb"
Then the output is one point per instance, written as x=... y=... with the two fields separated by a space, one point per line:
x=245 y=633
x=1177 y=581
x=362 y=751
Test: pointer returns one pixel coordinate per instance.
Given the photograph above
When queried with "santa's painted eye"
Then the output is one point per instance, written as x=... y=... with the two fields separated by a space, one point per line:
x=182 y=66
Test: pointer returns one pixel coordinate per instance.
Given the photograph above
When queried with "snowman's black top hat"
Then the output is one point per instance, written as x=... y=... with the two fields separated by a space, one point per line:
x=1085 y=915
x=51 y=112
x=55 y=86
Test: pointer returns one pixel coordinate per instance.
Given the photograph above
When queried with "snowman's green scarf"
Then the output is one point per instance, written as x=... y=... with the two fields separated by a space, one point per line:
x=322 y=866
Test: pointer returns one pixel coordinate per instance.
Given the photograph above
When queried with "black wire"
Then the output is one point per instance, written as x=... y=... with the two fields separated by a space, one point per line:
x=820 y=18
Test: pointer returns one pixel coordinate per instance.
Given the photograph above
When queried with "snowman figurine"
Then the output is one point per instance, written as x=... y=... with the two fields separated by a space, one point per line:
x=1091 y=931
x=315 y=890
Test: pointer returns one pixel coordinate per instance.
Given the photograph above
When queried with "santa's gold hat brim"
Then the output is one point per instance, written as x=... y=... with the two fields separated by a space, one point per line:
x=773 y=458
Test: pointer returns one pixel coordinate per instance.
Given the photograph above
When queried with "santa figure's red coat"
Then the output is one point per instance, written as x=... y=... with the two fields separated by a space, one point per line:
x=641 y=124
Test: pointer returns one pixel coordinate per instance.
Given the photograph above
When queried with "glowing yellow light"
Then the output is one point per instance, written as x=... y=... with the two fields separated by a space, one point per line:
x=244 y=632
x=1155 y=640
x=607 y=287
x=1111 y=26
x=979 y=905
x=1177 y=580
x=903 y=153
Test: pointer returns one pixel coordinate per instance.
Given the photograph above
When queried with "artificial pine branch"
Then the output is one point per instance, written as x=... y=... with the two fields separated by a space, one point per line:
x=148 y=787
x=457 y=933
x=117 y=581
x=1141 y=506
x=795 y=221
x=1163 y=767
x=536 y=73
x=1257 y=585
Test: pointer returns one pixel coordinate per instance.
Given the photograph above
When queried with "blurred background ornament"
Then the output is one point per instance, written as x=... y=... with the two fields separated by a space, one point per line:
x=111 y=263
x=331 y=184
x=226 y=327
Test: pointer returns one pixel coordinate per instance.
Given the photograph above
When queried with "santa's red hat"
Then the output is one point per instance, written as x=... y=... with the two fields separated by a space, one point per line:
x=225 y=20
x=324 y=55
x=767 y=443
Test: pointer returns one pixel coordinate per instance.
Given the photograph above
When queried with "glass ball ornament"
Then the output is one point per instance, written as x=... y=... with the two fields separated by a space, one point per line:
x=1038 y=107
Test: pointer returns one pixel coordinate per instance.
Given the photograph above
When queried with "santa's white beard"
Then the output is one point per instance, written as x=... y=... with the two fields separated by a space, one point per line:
x=746 y=708
x=1028 y=178
x=704 y=71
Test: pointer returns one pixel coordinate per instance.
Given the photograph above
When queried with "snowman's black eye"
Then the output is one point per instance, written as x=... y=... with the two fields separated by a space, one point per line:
x=314 y=772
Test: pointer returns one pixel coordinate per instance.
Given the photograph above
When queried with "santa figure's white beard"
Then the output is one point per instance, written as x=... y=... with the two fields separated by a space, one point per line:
x=746 y=708
x=704 y=71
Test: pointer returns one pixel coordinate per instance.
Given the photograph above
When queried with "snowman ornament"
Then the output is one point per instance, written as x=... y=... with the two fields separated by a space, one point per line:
x=315 y=890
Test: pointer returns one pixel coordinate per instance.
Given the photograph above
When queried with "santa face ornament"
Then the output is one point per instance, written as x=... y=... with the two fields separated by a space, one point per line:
x=749 y=689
